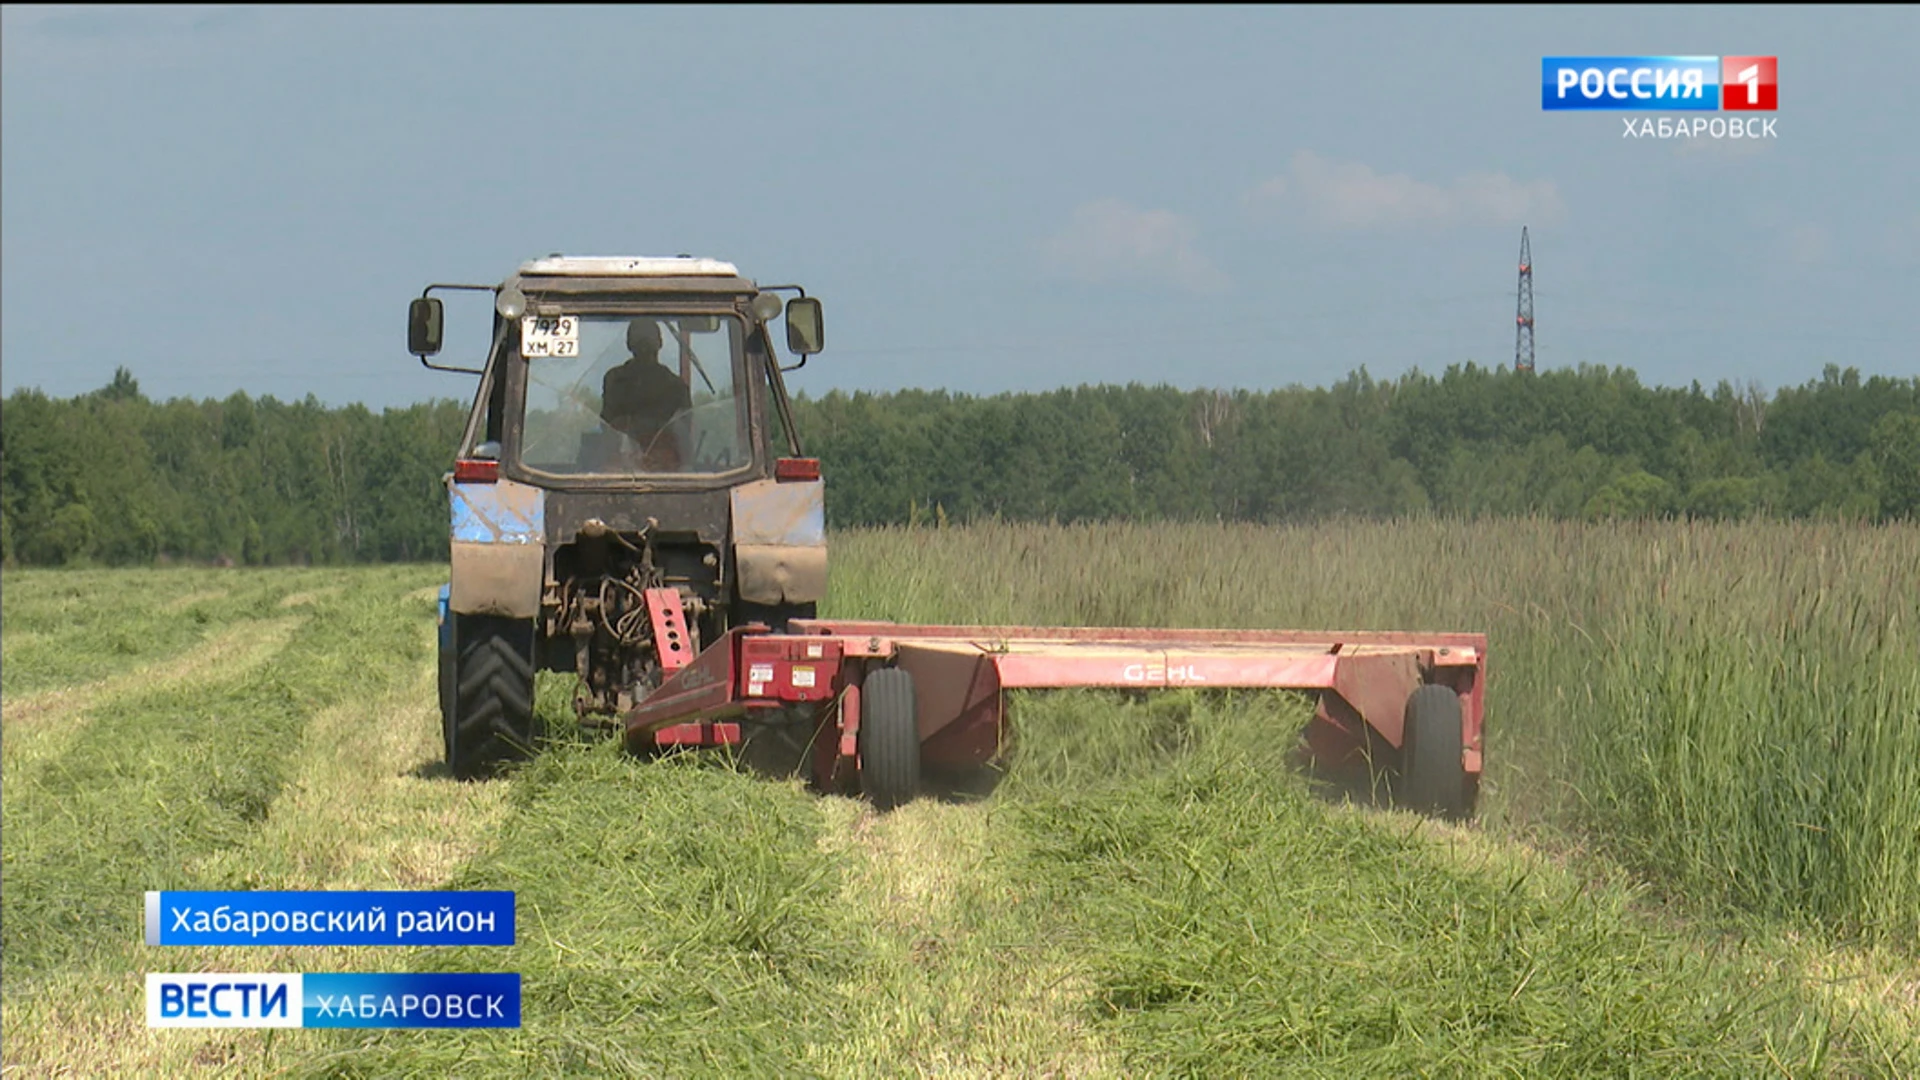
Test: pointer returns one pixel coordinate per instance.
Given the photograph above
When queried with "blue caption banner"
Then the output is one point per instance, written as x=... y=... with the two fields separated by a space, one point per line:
x=435 y=1000
x=330 y=918
x=354 y=1000
x=1638 y=83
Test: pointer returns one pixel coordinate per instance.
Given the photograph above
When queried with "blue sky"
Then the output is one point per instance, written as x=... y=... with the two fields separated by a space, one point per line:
x=986 y=199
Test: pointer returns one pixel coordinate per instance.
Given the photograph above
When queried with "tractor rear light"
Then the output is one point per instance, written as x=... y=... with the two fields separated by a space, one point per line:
x=474 y=471
x=796 y=468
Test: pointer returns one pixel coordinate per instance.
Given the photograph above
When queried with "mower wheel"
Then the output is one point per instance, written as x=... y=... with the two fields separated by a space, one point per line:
x=889 y=738
x=491 y=721
x=1433 y=778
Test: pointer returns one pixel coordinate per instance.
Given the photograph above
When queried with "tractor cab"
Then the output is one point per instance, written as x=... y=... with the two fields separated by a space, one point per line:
x=622 y=372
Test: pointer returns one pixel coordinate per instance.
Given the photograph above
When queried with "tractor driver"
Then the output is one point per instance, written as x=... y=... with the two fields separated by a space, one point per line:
x=641 y=397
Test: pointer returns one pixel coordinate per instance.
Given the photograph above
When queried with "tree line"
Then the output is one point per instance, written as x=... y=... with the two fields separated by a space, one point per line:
x=114 y=477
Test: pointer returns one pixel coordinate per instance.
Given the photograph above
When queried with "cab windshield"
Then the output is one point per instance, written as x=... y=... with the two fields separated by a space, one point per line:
x=653 y=394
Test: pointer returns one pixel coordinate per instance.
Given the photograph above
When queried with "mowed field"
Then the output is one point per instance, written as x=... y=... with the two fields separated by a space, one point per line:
x=1698 y=852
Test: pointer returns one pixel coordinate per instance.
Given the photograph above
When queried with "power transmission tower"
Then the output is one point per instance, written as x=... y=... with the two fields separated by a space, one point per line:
x=1523 y=317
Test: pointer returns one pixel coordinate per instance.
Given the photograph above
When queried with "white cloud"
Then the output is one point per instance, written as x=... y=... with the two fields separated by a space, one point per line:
x=1267 y=193
x=1351 y=195
x=1109 y=241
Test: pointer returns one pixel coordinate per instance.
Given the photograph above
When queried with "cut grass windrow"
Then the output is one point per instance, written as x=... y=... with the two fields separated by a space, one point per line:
x=225 y=652
x=1233 y=927
x=364 y=807
x=66 y=628
x=166 y=777
x=1157 y=895
x=46 y=723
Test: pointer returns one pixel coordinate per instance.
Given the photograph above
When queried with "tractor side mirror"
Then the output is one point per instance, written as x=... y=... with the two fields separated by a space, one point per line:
x=426 y=319
x=805 y=334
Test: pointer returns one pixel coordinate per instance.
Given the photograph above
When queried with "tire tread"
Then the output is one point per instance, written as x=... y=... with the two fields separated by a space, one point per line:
x=493 y=721
x=889 y=738
x=1433 y=777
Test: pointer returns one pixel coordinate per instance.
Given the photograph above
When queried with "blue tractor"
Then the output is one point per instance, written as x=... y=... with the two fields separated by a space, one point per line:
x=629 y=487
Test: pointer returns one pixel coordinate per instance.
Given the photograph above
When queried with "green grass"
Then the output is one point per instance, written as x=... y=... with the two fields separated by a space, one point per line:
x=1776 y=772
x=673 y=918
x=1235 y=927
x=69 y=627
x=157 y=779
x=1696 y=854
x=1158 y=894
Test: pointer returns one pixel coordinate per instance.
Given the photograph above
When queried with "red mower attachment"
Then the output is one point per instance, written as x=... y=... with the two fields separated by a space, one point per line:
x=888 y=699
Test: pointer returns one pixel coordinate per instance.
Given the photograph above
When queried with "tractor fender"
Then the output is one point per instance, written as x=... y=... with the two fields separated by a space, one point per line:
x=780 y=541
x=499 y=553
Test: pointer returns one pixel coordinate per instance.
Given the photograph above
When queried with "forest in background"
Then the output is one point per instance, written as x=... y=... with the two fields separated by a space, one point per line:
x=113 y=477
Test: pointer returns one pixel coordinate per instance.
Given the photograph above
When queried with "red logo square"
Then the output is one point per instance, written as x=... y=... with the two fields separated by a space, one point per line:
x=1749 y=83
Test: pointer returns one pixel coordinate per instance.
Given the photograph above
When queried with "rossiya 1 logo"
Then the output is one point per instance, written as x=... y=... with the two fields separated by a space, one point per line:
x=1702 y=84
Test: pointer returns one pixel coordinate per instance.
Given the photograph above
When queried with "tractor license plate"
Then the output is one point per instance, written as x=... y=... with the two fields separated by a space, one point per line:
x=549 y=335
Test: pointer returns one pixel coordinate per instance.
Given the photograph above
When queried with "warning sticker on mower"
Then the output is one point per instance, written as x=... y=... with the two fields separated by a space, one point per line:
x=758 y=676
x=549 y=335
x=803 y=676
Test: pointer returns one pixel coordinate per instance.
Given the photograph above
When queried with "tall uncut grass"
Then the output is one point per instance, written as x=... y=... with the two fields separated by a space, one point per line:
x=1732 y=708
x=1756 y=733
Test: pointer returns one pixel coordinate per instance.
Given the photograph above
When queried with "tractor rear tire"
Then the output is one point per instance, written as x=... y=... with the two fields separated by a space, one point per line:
x=889 y=738
x=447 y=669
x=1433 y=777
x=491 y=721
